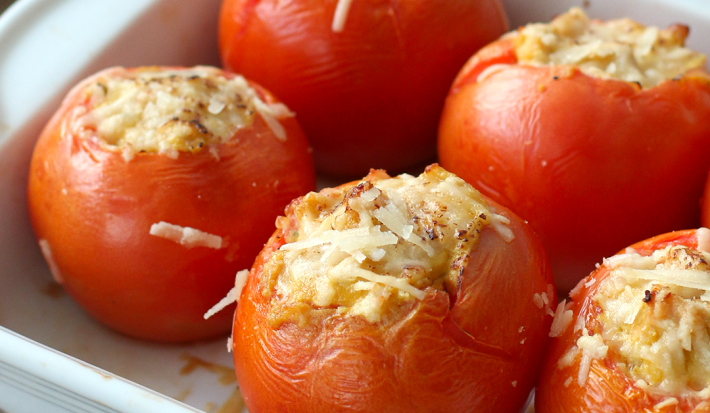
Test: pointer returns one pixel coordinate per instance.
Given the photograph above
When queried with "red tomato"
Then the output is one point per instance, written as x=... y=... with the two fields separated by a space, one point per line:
x=607 y=387
x=380 y=83
x=92 y=212
x=593 y=164
x=476 y=349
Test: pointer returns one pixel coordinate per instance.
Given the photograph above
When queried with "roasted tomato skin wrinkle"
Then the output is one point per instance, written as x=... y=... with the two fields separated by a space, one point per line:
x=477 y=349
x=95 y=210
x=606 y=389
x=371 y=95
x=586 y=161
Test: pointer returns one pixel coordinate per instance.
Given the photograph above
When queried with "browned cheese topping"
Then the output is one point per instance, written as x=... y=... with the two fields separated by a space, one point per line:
x=656 y=318
x=617 y=49
x=169 y=111
x=366 y=249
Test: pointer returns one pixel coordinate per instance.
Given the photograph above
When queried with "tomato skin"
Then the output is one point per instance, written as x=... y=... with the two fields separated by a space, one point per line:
x=586 y=161
x=95 y=210
x=438 y=357
x=606 y=389
x=380 y=83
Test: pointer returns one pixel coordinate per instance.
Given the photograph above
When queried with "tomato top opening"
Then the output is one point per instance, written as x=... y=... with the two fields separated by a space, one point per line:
x=364 y=249
x=616 y=49
x=158 y=110
x=654 y=318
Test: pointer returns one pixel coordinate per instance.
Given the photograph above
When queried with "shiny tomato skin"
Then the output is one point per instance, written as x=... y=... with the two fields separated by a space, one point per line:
x=95 y=211
x=479 y=353
x=586 y=161
x=380 y=83
x=607 y=389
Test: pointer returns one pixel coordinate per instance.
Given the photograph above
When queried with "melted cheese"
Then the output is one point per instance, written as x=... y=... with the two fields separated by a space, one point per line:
x=656 y=318
x=366 y=249
x=170 y=111
x=617 y=49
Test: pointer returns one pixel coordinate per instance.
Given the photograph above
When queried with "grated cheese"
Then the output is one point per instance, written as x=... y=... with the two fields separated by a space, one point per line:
x=49 y=257
x=617 y=49
x=393 y=219
x=341 y=15
x=170 y=111
x=231 y=297
x=186 y=236
x=561 y=320
x=568 y=358
x=364 y=249
x=592 y=348
x=703 y=235
x=654 y=315
x=579 y=324
x=671 y=401
x=501 y=225
x=347 y=270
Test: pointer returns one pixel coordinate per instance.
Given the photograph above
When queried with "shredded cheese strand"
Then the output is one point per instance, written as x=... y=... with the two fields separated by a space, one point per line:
x=683 y=278
x=348 y=269
x=341 y=15
x=232 y=296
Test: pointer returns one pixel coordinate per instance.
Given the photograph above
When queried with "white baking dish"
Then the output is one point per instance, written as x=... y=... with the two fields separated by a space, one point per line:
x=45 y=47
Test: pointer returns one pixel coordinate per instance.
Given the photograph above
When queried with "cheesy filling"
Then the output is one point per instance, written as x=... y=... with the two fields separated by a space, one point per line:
x=159 y=111
x=617 y=49
x=656 y=317
x=367 y=249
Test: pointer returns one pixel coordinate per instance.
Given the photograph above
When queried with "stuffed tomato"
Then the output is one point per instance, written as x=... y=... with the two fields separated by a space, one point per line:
x=151 y=187
x=635 y=336
x=359 y=74
x=404 y=294
x=583 y=127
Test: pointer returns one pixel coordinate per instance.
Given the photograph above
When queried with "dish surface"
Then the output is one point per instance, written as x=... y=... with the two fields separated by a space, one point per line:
x=48 y=45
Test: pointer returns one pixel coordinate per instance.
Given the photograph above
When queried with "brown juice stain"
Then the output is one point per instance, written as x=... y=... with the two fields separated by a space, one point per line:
x=53 y=290
x=235 y=403
x=183 y=395
x=226 y=377
x=226 y=374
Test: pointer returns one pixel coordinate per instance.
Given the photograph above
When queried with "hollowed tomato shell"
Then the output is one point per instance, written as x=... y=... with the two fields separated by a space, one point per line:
x=95 y=210
x=606 y=389
x=477 y=349
x=592 y=164
x=371 y=95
